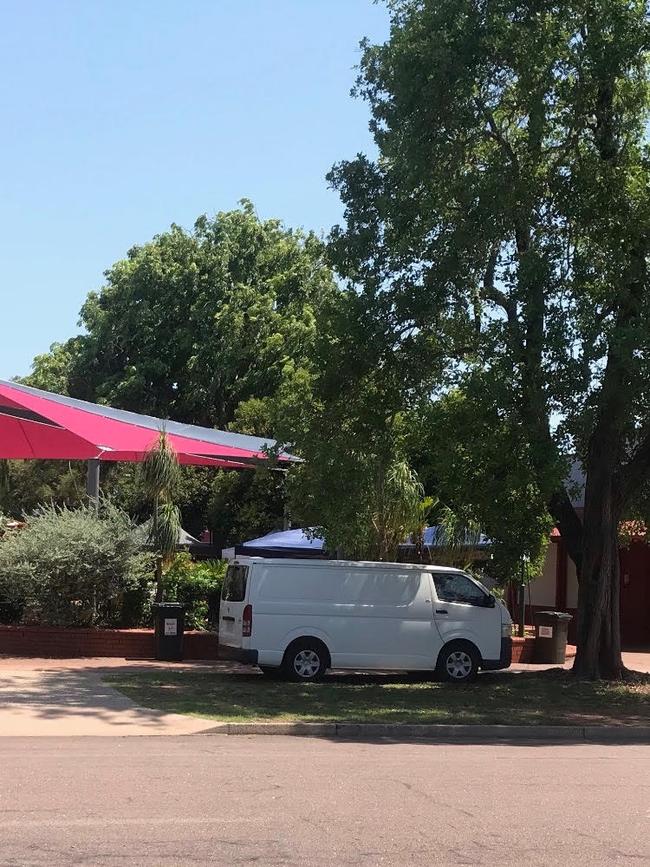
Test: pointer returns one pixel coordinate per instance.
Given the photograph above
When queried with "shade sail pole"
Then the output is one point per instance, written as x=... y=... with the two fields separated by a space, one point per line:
x=92 y=482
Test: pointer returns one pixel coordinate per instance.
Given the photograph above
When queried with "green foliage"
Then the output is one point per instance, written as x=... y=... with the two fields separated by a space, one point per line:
x=159 y=474
x=159 y=477
x=398 y=508
x=5 y=477
x=203 y=327
x=51 y=370
x=160 y=469
x=481 y=466
x=341 y=412
x=31 y=483
x=71 y=567
x=190 y=325
x=245 y=505
x=504 y=230
x=357 y=490
x=198 y=586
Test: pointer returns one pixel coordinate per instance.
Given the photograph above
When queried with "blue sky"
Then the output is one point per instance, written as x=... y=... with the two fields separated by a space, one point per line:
x=121 y=117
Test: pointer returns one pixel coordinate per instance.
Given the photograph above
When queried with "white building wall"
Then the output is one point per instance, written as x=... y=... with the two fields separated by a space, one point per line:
x=542 y=589
x=571 y=584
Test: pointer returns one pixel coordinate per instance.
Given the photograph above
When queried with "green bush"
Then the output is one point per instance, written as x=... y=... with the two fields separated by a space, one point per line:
x=72 y=567
x=198 y=586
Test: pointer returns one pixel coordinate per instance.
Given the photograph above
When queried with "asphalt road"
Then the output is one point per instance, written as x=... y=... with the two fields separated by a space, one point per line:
x=273 y=800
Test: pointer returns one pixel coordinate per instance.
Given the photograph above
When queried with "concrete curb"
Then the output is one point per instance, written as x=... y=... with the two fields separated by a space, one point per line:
x=442 y=733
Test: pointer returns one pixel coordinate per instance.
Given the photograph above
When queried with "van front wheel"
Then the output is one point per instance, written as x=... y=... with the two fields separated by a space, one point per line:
x=305 y=660
x=458 y=662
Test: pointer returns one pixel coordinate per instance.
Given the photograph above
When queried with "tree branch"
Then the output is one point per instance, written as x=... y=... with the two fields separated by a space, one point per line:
x=634 y=473
x=569 y=525
x=496 y=133
x=490 y=291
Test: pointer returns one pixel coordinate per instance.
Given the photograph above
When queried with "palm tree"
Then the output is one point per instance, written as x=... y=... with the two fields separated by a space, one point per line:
x=160 y=475
x=401 y=508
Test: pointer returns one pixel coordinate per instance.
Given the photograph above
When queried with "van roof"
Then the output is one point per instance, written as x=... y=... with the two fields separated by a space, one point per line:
x=322 y=564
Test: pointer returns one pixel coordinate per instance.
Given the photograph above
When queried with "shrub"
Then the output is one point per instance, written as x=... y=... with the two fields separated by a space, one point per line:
x=72 y=567
x=198 y=586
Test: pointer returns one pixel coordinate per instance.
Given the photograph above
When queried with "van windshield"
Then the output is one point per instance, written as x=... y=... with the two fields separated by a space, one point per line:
x=234 y=584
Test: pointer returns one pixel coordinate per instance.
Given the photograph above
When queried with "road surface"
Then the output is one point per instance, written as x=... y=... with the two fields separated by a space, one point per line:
x=206 y=799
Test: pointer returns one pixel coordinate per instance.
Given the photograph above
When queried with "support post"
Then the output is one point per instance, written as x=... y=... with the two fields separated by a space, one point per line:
x=92 y=482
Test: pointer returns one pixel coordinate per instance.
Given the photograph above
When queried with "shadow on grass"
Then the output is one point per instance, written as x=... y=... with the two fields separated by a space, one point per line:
x=551 y=697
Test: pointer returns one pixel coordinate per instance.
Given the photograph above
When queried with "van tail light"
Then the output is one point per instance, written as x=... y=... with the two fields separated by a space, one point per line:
x=247 y=621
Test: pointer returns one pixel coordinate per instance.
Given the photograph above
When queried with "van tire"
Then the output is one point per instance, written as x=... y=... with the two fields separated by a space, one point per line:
x=305 y=660
x=458 y=662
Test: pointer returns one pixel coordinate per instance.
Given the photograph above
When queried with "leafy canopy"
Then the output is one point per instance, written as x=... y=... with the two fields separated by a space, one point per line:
x=203 y=327
x=492 y=229
x=190 y=325
x=504 y=229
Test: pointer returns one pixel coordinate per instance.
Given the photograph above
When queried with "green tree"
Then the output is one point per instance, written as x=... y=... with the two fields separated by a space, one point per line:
x=159 y=476
x=246 y=505
x=202 y=327
x=51 y=370
x=342 y=414
x=504 y=227
x=477 y=462
x=29 y=484
x=190 y=325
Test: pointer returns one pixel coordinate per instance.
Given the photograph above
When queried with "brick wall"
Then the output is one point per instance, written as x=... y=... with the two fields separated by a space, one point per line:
x=50 y=641
x=522 y=649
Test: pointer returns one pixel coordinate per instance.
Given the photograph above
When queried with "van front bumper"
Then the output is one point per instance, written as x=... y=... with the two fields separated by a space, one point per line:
x=504 y=661
x=237 y=654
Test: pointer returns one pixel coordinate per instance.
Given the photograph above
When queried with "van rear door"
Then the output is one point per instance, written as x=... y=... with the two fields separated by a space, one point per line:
x=234 y=625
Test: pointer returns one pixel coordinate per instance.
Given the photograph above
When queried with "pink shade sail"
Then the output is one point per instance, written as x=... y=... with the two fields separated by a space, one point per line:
x=37 y=424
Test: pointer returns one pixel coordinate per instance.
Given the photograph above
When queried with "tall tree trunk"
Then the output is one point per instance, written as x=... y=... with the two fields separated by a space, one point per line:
x=160 y=586
x=599 y=629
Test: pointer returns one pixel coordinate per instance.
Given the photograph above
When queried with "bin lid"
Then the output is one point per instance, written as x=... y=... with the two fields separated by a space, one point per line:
x=171 y=606
x=554 y=615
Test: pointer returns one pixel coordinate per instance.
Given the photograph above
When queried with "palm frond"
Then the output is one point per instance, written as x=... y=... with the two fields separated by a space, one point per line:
x=160 y=469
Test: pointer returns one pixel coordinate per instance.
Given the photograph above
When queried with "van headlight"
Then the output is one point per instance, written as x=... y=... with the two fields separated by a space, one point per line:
x=506 y=630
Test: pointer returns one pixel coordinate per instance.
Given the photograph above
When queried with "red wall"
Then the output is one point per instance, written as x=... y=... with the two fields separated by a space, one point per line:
x=50 y=641
x=522 y=649
x=635 y=594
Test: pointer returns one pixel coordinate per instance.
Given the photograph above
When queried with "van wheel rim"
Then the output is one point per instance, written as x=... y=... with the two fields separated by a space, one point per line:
x=459 y=664
x=306 y=663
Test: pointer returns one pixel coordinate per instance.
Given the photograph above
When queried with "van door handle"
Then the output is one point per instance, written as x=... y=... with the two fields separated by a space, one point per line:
x=441 y=611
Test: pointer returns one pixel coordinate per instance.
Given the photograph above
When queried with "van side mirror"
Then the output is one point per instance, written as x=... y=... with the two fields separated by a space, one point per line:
x=491 y=601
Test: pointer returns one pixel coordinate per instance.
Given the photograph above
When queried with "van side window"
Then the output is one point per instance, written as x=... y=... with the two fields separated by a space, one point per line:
x=454 y=587
x=234 y=584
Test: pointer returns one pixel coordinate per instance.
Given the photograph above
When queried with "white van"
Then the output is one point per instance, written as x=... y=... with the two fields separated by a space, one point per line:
x=300 y=617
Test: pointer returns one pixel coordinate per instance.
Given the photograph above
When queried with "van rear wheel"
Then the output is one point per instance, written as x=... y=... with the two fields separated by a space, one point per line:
x=458 y=662
x=305 y=660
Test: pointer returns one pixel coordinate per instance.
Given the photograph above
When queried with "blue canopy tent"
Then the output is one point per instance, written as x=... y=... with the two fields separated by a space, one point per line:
x=298 y=544
x=282 y=543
